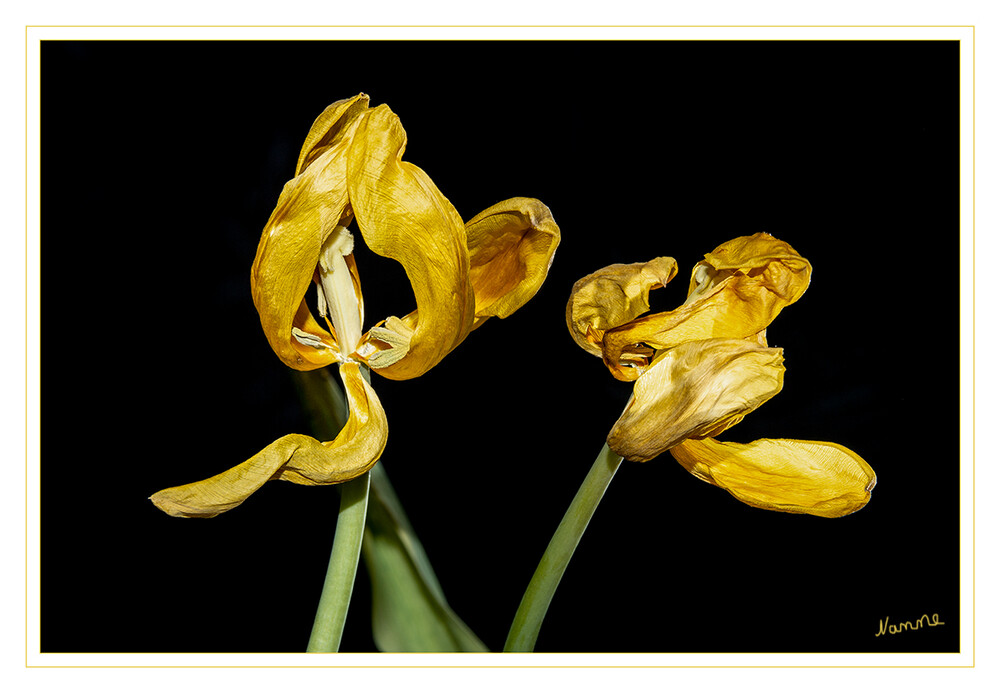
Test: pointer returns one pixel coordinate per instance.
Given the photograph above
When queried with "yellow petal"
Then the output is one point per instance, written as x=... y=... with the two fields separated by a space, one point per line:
x=613 y=296
x=328 y=128
x=776 y=264
x=795 y=476
x=402 y=215
x=696 y=389
x=296 y=458
x=310 y=207
x=736 y=292
x=511 y=246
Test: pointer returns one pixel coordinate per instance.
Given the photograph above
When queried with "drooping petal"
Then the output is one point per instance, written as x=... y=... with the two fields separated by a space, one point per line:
x=511 y=246
x=735 y=293
x=402 y=215
x=696 y=389
x=795 y=476
x=613 y=296
x=310 y=207
x=296 y=458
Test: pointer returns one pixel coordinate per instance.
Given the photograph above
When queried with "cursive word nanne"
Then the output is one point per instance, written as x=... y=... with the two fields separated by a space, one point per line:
x=893 y=628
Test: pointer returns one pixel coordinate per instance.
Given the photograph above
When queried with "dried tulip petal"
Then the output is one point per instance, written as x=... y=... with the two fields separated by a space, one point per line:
x=296 y=458
x=696 y=389
x=795 y=476
x=613 y=296
x=329 y=128
x=403 y=216
x=779 y=266
x=310 y=207
x=753 y=279
x=511 y=246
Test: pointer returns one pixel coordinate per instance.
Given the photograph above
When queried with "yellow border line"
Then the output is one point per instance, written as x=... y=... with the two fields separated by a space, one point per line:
x=501 y=26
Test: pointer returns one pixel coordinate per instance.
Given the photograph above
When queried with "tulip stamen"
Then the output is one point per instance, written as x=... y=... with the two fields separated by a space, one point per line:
x=337 y=298
x=308 y=339
x=396 y=335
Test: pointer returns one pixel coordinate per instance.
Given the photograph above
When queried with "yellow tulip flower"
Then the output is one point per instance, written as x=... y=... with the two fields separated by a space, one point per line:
x=699 y=369
x=350 y=169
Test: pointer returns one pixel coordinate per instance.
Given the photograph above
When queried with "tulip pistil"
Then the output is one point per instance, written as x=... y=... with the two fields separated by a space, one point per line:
x=337 y=298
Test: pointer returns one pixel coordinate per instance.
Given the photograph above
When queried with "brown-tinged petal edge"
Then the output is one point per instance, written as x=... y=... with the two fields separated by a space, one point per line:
x=794 y=476
x=296 y=458
x=696 y=389
x=511 y=247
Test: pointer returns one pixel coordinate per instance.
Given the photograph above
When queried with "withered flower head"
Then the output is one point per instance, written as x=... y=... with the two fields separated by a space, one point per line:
x=699 y=369
x=350 y=170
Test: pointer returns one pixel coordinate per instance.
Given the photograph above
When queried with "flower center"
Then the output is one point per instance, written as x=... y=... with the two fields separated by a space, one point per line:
x=337 y=299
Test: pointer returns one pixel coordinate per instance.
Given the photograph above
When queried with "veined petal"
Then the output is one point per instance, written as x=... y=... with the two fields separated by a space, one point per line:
x=696 y=389
x=511 y=246
x=613 y=296
x=777 y=265
x=310 y=207
x=296 y=458
x=736 y=292
x=402 y=215
x=329 y=127
x=795 y=476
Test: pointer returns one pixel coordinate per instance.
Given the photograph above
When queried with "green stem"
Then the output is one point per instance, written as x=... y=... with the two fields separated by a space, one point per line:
x=335 y=599
x=538 y=596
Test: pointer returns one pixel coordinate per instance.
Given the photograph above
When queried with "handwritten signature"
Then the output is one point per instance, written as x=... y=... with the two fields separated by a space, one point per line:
x=885 y=627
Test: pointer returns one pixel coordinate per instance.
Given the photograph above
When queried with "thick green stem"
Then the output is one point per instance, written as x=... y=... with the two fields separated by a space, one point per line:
x=335 y=599
x=538 y=596
x=328 y=627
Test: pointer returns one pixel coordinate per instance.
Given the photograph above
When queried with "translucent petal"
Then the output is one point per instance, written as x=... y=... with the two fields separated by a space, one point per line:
x=613 y=296
x=296 y=458
x=795 y=476
x=696 y=389
x=511 y=247
x=402 y=215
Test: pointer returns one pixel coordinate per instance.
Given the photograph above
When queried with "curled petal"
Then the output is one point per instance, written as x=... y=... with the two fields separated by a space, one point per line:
x=328 y=128
x=296 y=458
x=794 y=476
x=402 y=215
x=775 y=263
x=697 y=389
x=511 y=246
x=613 y=296
x=736 y=292
x=310 y=207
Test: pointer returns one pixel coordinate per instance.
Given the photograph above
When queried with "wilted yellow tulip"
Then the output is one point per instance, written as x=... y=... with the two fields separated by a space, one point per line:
x=701 y=368
x=351 y=169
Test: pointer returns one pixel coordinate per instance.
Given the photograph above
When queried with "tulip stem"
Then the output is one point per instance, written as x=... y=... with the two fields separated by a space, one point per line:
x=335 y=599
x=328 y=627
x=537 y=597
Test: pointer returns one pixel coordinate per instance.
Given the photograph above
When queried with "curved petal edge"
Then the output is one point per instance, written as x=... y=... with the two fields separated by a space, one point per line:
x=794 y=476
x=294 y=457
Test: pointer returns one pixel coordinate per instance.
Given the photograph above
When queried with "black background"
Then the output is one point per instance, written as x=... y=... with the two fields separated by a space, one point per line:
x=161 y=162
